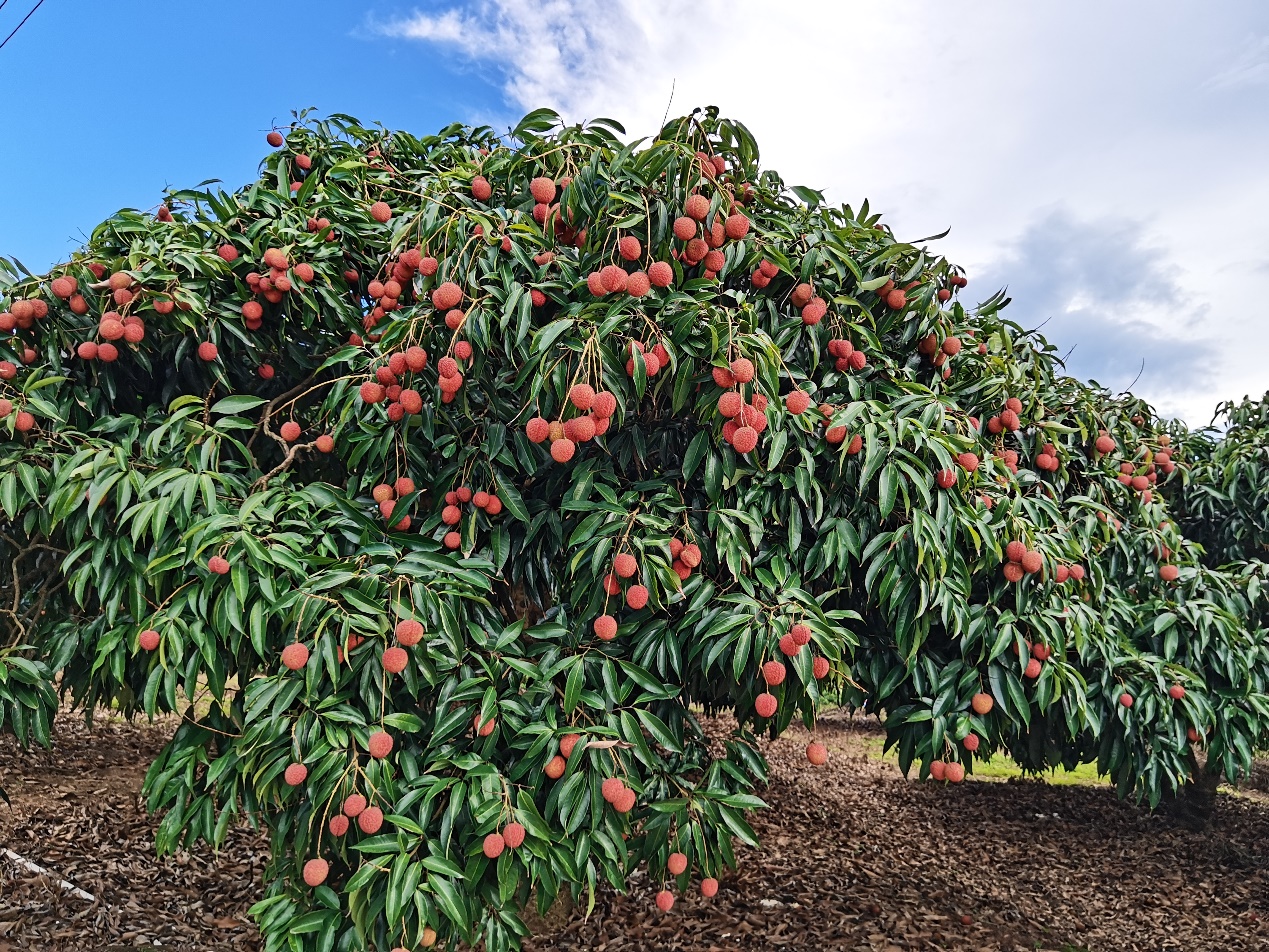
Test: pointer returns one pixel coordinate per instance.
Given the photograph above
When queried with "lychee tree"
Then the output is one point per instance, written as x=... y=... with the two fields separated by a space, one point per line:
x=442 y=484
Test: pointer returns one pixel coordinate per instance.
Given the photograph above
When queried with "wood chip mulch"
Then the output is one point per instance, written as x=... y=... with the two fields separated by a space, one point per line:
x=854 y=857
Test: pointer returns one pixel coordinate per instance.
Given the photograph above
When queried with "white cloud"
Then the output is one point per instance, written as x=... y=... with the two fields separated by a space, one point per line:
x=980 y=117
x=1250 y=69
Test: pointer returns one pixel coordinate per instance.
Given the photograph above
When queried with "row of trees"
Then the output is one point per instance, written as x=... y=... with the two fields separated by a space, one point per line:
x=453 y=477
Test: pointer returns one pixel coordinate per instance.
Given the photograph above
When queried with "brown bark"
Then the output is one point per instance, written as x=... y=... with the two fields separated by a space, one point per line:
x=1195 y=805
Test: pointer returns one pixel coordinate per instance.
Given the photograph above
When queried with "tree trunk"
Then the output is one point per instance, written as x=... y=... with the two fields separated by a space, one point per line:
x=1195 y=805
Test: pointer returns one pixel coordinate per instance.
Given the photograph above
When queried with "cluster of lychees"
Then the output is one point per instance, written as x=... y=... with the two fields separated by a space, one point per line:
x=452 y=514
x=595 y=410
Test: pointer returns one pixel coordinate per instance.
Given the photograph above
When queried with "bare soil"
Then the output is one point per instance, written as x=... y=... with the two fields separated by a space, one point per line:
x=854 y=857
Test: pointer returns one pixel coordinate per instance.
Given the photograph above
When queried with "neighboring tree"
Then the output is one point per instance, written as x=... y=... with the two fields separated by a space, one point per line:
x=440 y=484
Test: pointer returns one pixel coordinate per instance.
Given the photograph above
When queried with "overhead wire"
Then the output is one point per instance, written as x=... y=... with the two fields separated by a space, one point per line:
x=21 y=24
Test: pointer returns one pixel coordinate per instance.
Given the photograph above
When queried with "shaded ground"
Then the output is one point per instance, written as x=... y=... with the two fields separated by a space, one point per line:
x=853 y=857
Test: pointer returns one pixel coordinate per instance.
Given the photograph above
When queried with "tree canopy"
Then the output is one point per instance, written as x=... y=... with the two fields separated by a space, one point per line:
x=443 y=484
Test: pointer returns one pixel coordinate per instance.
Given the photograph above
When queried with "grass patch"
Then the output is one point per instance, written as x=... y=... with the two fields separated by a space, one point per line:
x=998 y=767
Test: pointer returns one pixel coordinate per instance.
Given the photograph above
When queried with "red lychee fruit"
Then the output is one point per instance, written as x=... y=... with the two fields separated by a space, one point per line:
x=370 y=820
x=452 y=540
x=729 y=404
x=736 y=226
x=709 y=887
x=954 y=772
x=819 y=667
x=636 y=596
x=813 y=312
x=1033 y=669
x=938 y=770
x=1032 y=562
x=315 y=870
x=696 y=207
x=379 y=744
x=582 y=396
x=945 y=478
x=480 y=188
x=290 y=431
x=87 y=350
x=354 y=804
x=381 y=212
x=409 y=632
x=562 y=450
x=629 y=248
x=295 y=655
x=537 y=430
x=612 y=788
x=218 y=565
x=684 y=228
x=676 y=864
x=1176 y=692
x=1125 y=699
x=625 y=565
x=745 y=440
x=1169 y=573
x=543 y=190
x=513 y=835
x=665 y=900
x=970 y=742
x=555 y=767
x=494 y=845
x=338 y=825
x=765 y=704
x=797 y=401
x=148 y=639
x=773 y=672
x=447 y=295
x=817 y=753
x=207 y=351
x=661 y=274
x=1105 y=444
x=395 y=660
x=982 y=703
x=295 y=774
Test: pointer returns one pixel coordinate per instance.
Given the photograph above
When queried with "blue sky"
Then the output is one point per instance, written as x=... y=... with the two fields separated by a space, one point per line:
x=1105 y=161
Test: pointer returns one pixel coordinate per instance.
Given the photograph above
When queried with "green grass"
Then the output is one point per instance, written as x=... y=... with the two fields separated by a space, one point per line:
x=999 y=767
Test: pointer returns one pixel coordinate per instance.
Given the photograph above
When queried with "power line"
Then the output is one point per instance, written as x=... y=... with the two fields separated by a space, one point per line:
x=20 y=25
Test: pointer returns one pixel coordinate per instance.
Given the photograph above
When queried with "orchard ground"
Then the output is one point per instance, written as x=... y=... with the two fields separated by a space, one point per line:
x=854 y=857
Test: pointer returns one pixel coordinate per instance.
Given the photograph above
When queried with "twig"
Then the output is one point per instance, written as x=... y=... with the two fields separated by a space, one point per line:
x=41 y=871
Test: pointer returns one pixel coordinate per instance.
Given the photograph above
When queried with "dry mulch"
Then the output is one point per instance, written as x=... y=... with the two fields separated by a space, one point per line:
x=853 y=857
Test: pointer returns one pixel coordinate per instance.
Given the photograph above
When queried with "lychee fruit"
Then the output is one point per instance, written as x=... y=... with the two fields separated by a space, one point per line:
x=676 y=864
x=765 y=704
x=513 y=835
x=562 y=450
x=665 y=900
x=709 y=887
x=817 y=753
x=982 y=703
x=379 y=744
x=636 y=596
x=295 y=774
x=315 y=870
x=218 y=565
x=395 y=660
x=295 y=655
x=148 y=639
